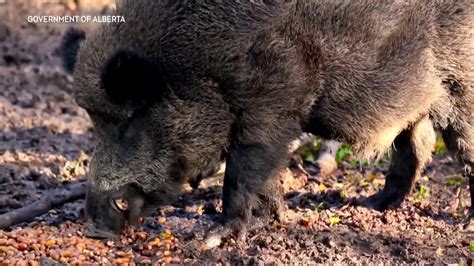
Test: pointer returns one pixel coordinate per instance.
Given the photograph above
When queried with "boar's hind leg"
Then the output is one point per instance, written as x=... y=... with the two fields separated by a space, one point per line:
x=460 y=139
x=411 y=151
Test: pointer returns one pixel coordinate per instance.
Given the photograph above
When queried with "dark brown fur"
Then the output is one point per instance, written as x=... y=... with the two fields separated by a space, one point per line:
x=244 y=78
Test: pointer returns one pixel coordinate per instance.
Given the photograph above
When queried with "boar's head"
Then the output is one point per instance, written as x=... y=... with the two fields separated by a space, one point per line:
x=149 y=137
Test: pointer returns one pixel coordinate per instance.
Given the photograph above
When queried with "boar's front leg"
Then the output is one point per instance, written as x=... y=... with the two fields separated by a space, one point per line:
x=254 y=159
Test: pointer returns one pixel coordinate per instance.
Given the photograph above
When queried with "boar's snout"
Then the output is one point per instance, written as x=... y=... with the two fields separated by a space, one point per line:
x=110 y=212
x=97 y=233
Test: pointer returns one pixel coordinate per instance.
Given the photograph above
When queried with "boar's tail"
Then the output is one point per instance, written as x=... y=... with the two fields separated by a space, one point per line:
x=70 y=46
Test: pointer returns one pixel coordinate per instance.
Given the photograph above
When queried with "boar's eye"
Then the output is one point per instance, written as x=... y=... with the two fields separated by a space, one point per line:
x=122 y=129
x=121 y=203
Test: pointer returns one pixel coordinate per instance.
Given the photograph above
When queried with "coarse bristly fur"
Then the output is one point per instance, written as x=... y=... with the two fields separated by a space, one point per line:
x=184 y=82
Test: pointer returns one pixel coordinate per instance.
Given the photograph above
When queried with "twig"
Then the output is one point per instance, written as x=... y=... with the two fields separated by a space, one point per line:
x=50 y=200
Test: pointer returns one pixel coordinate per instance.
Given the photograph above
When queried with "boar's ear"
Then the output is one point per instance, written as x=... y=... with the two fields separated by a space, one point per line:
x=130 y=77
x=70 y=46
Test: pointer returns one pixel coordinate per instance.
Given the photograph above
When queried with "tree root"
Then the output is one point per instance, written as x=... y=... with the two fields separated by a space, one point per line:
x=50 y=200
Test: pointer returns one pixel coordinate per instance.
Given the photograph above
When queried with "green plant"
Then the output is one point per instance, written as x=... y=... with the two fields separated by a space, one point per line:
x=343 y=152
x=318 y=207
x=440 y=147
x=456 y=180
x=310 y=151
x=422 y=193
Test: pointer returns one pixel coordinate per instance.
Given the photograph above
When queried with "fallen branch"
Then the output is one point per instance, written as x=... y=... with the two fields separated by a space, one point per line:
x=50 y=200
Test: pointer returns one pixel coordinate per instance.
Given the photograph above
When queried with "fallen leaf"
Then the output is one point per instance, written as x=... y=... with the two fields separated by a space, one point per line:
x=334 y=220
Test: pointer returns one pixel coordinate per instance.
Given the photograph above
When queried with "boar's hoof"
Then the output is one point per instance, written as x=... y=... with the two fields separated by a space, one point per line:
x=271 y=204
x=268 y=209
x=219 y=231
x=469 y=223
x=381 y=201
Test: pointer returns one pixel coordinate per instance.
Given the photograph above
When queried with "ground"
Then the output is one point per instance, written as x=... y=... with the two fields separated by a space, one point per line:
x=47 y=141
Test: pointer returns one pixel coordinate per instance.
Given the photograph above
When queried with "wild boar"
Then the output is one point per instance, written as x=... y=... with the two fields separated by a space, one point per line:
x=182 y=83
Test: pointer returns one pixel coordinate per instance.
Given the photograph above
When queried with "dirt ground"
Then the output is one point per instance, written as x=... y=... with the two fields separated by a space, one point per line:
x=46 y=141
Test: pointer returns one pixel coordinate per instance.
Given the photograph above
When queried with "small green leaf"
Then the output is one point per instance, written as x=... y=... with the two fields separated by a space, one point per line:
x=309 y=152
x=343 y=152
x=316 y=144
x=342 y=194
x=456 y=180
x=353 y=163
x=310 y=158
x=471 y=246
x=318 y=207
x=422 y=193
